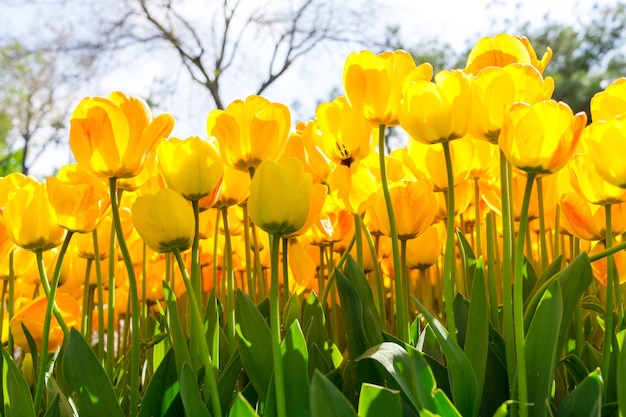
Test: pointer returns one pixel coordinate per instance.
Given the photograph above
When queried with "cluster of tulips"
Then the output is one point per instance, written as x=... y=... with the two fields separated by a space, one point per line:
x=146 y=229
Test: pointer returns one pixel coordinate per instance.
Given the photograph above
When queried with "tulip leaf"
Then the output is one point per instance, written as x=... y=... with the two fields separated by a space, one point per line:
x=443 y=405
x=228 y=378
x=460 y=371
x=255 y=344
x=541 y=347
x=241 y=408
x=327 y=400
x=376 y=401
x=87 y=378
x=63 y=408
x=17 y=397
x=190 y=394
x=295 y=362
x=621 y=370
x=162 y=396
x=585 y=400
x=469 y=260
x=179 y=344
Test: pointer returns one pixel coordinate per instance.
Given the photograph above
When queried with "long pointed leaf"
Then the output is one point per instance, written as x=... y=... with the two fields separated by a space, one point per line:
x=477 y=343
x=20 y=402
x=295 y=362
x=190 y=394
x=585 y=400
x=327 y=400
x=376 y=401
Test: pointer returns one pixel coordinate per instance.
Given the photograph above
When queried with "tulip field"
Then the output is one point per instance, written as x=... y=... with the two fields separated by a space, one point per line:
x=283 y=268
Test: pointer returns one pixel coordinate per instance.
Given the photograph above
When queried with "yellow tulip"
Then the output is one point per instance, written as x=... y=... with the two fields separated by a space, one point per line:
x=302 y=145
x=112 y=136
x=192 y=167
x=83 y=245
x=373 y=83
x=332 y=225
x=344 y=134
x=587 y=182
x=250 y=131
x=607 y=146
x=599 y=267
x=541 y=138
x=235 y=188
x=354 y=185
x=425 y=249
x=504 y=49
x=280 y=196
x=31 y=221
x=32 y=316
x=611 y=102
x=586 y=221
x=164 y=220
x=494 y=89
x=437 y=112
x=79 y=200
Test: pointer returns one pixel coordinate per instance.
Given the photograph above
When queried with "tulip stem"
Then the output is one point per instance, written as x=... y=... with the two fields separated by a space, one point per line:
x=359 y=239
x=279 y=381
x=450 y=254
x=110 y=353
x=542 y=226
x=50 y=308
x=97 y=261
x=286 y=286
x=198 y=329
x=478 y=218
x=134 y=301
x=491 y=270
x=402 y=321
x=246 y=241
x=228 y=264
x=609 y=327
x=380 y=288
x=11 y=304
x=518 y=299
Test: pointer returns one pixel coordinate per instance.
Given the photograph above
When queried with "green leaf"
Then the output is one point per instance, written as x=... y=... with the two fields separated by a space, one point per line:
x=585 y=400
x=255 y=344
x=291 y=311
x=190 y=393
x=443 y=404
x=462 y=377
x=17 y=396
x=241 y=408
x=228 y=378
x=179 y=344
x=376 y=401
x=409 y=370
x=62 y=404
x=621 y=371
x=327 y=400
x=86 y=377
x=469 y=261
x=295 y=363
x=162 y=396
x=541 y=348
x=477 y=344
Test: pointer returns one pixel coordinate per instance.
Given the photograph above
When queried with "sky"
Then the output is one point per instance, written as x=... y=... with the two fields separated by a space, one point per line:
x=459 y=23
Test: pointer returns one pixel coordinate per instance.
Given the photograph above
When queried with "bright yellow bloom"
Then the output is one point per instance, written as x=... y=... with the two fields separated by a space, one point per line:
x=83 y=245
x=541 y=138
x=250 y=131
x=373 y=83
x=302 y=145
x=79 y=200
x=414 y=205
x=344 y=134
x=494 y=89
x=164 y=220
x=31 y=221
x=332 y=225
x=611 y=102
x=426 y=248
x=599 y=267
x=606 y=140
x=587 y=182
x=437 y=112
x=587 y=221
x=280 y=196
x=32 y=316
x=355 y=186
x=112 y=136
x=235 y=188
x=504 y=49
x=192 y=167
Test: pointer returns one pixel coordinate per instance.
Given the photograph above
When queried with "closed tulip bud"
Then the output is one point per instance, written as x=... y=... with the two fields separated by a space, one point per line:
x=280 y=196
x=607 y=147
x=504 y=49
x=611 y=102
x=586 y=181
x=31 y=221
x=111 y=137
x=250 y=131
x=235 y=188
x=192 y=167
x=373 y=83
x=164 y=220
x=425 y=249
x=587 y=221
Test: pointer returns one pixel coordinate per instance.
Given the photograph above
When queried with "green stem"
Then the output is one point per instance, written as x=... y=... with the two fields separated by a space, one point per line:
x=285 y=252
x=134 y=311
x=110 y=354
x=359 y=239
x=609 y=327
x=230 y=273
x=507 y=271
x=402 y=304
x=246 y=241
x=196 y=279
x=491 y=271
x=478 y=218
x=85 y=312
x=50 y=308
x=11 y=305
x=198 y=329
x=405 y=272
x=321 y=271
x=216 y=234
x=450 y=254
x=556 y=251
x=279 y=381
x=542 y=226
x=96 y=251
x=518 y=299
x=378 y=276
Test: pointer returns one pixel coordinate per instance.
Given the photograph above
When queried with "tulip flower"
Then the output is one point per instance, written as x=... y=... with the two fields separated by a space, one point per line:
x=589 y=184
x=599 y=267
x=373 y=83
x=250 y=131
x=354 y=186
x=111 y=137
x=164 y=220
x=280 y=196
x=504 y=49
x=192 y=167
x=425 y=249
x=437 y=112
x=611 y=102
x=302 y=145
x=31 y=221
x=607 y=146
x=234 y=190
x=541 y=138
x=586 y=221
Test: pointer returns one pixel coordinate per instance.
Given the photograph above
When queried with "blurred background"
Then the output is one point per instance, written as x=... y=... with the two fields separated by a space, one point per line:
x=188 y=57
